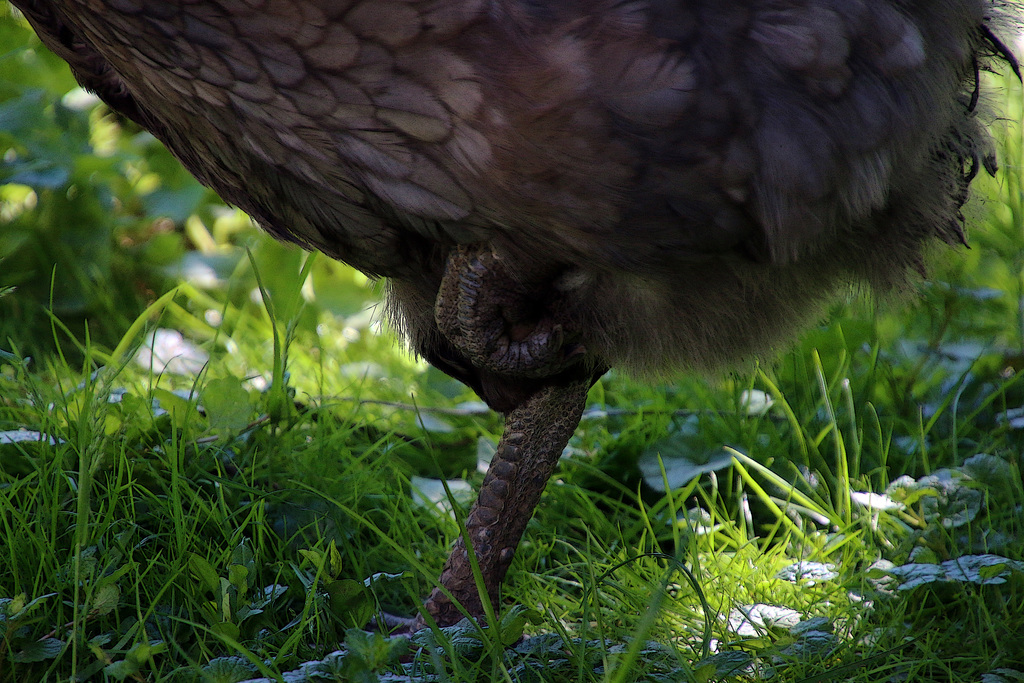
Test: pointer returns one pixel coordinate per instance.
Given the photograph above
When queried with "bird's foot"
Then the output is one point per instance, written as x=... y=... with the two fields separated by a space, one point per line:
x=501 y=321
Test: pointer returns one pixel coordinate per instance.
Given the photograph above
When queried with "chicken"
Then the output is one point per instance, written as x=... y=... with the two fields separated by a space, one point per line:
x=554 y=188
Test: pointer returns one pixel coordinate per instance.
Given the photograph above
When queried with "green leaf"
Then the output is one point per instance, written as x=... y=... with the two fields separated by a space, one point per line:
x=16 y=605
x=226 y=629
x=988 y=572
x=314 y=557
x=143 y=652
x=106 y=599
x=204 y=572
x=228 y=670
x=121 y=670
x=238 y=577
x=224 y=597
x=20 y=605
x=228 y=406
x=336 y=561
x=350 y=601
x=513 y=624
x=39 y=650
x=345 y=594
x=242 y=554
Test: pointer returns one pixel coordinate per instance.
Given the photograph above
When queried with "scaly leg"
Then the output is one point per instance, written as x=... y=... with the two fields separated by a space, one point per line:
x=535 y=434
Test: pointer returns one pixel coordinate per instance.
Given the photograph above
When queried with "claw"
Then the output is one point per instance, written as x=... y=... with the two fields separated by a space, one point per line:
x=492 y=317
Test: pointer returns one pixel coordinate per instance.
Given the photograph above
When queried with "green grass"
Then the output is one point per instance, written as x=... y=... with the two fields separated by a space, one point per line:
x=254 y=512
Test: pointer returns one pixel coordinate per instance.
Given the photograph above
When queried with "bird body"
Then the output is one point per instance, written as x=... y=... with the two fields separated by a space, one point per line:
x=552 y=188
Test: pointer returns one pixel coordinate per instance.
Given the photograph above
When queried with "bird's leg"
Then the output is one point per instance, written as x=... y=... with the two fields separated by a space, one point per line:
x=498 y=321
x=535 y=434
x=508 y=324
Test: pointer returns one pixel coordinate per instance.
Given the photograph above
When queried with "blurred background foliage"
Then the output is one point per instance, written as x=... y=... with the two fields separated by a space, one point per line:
x=98 y=218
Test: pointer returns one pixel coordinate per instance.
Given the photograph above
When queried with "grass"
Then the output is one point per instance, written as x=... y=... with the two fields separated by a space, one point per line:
x=244 y=514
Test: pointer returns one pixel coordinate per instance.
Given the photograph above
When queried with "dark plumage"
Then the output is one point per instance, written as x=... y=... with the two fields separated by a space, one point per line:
x=552 y=188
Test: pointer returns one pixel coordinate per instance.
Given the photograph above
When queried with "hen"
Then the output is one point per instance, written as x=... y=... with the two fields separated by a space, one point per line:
x=552 y=188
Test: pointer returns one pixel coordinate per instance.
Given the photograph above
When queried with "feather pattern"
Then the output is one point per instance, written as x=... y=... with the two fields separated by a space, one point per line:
x=702 y=175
